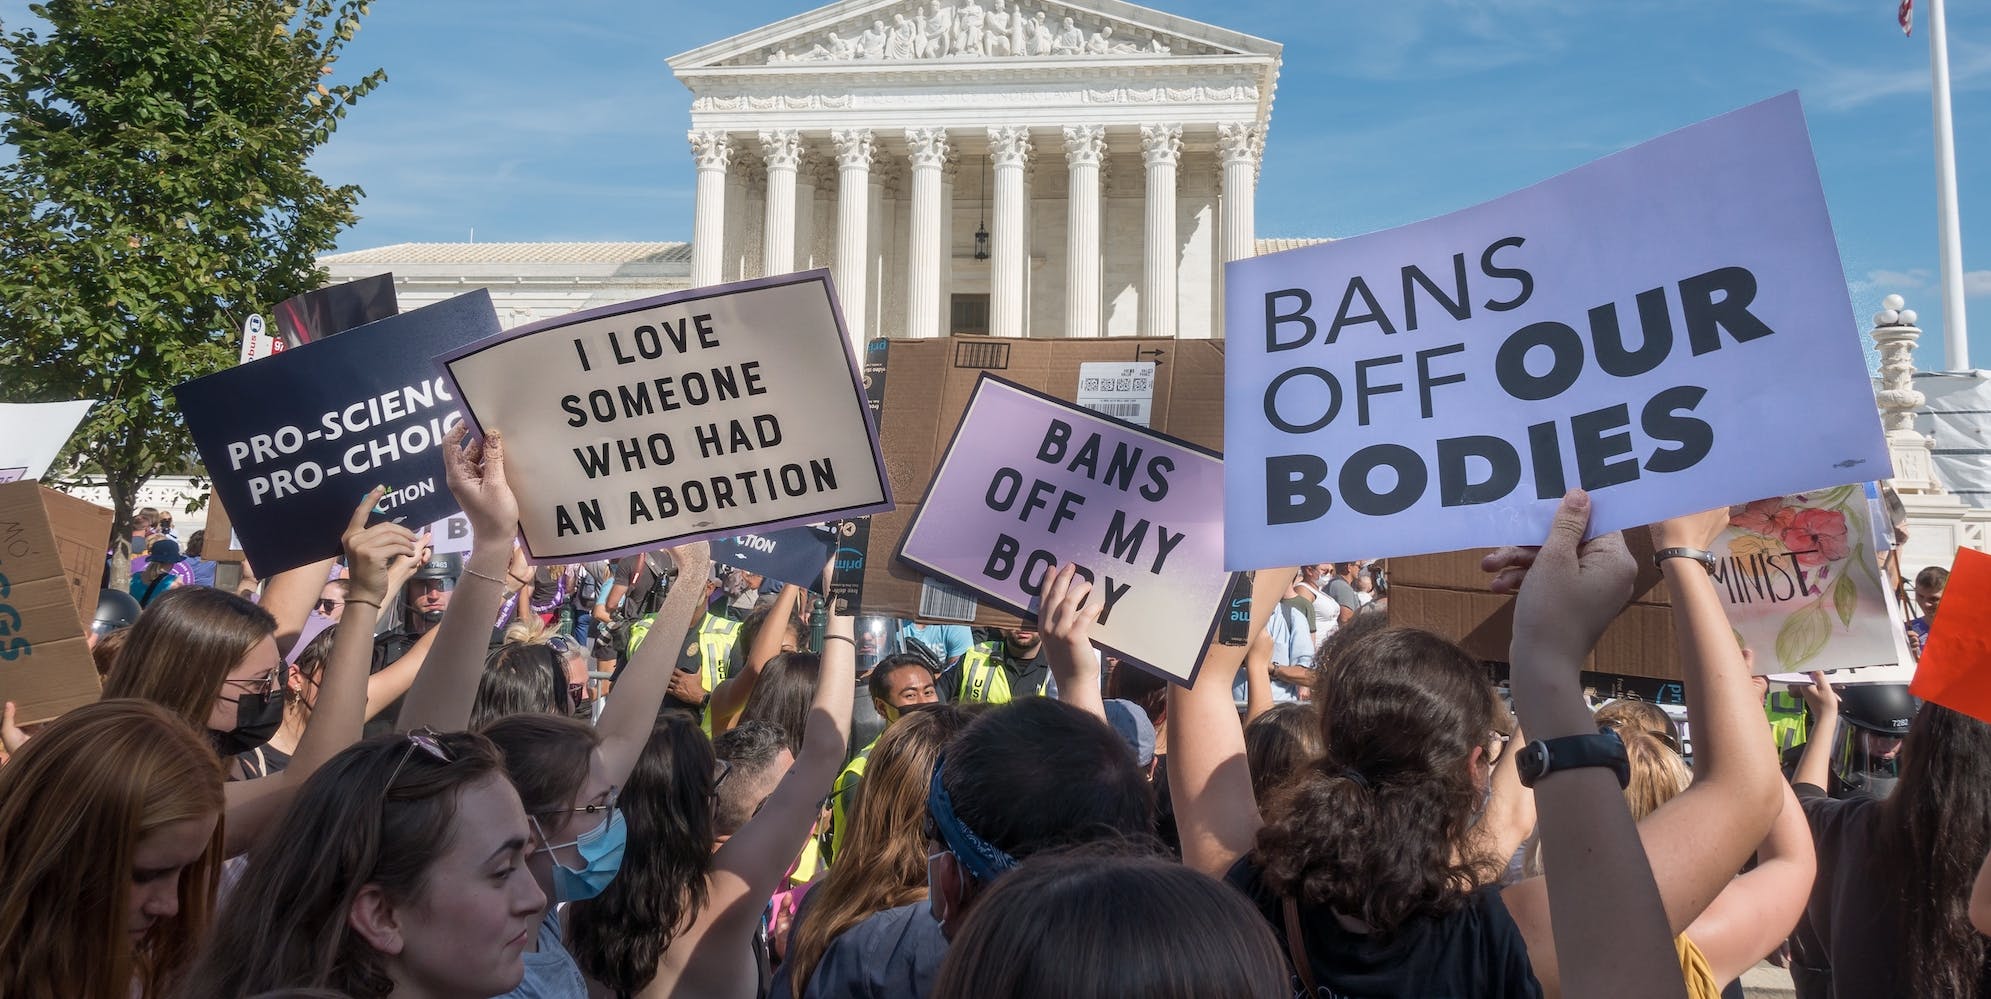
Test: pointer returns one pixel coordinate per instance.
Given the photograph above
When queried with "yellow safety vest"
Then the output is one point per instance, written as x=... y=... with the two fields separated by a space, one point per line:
x=843 y=799
x=716 y=637
x=982 y=677
x=1788 y=725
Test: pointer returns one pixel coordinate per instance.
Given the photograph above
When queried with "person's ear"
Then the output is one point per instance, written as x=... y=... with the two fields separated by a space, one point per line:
x=373 y=917
x=947 y=892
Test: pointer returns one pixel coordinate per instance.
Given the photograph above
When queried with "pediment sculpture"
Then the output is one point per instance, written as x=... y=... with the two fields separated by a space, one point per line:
x=966 y=29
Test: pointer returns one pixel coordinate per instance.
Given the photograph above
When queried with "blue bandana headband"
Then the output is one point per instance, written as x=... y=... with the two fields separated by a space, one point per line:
x=982 y=859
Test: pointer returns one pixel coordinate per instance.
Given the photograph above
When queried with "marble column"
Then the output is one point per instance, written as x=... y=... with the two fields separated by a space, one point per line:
x=1240 y=145
x=926 y=150
x=808 y=177
x=1161 y=148
x=1085 y=151
x=853 y=226
x=713 y=153
x=783 y=153
x=1009 y=149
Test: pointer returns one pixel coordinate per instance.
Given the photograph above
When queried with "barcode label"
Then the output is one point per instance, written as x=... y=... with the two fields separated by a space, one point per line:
x=940 y=601
x=1118 y=389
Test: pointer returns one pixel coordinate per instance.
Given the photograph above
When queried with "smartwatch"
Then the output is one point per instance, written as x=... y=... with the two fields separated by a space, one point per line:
x=1542 y=757
x=1705 y=558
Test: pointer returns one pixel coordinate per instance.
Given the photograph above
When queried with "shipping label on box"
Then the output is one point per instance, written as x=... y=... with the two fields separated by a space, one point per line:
x=51 y=554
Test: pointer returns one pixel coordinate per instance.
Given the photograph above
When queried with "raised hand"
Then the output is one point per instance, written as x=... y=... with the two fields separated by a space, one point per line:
x=1570 y=589
x=371 y=552
x=1064 y=617
x=476 y=474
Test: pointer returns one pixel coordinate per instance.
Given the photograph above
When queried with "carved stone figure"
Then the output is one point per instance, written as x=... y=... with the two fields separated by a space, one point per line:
x=968 y=22
x=939 y=32
x=841 y=49
x=904 y=40
x=997 y=33
x=1071 y=41
x=1040 y=36
x=871 y=42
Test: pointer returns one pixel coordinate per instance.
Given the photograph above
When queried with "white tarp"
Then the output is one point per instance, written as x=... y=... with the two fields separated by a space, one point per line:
x=1958 y=414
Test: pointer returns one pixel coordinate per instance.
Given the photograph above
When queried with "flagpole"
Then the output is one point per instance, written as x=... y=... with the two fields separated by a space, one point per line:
x=1956 y=339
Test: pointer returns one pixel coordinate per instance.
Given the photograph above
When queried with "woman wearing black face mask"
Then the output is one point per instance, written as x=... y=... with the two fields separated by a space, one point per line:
x=211 y=658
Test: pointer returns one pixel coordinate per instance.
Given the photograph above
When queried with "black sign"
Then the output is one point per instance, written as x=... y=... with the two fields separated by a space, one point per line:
x=294 y=440
x=793 y=555
x=316 y=315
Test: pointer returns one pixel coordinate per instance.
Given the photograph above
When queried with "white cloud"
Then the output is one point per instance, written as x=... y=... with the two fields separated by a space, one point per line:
x=1977 y=284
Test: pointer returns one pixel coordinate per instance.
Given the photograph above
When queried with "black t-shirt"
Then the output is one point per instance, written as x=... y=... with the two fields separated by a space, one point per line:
x=1476 y=951
x=1849 y=942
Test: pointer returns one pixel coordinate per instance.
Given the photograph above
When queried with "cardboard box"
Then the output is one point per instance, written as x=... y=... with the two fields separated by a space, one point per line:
x=926 y=388
x=219 y=543
x=1447 y=594
x=51 y=562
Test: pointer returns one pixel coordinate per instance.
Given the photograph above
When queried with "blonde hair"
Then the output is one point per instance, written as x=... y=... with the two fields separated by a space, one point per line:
x=182 y=647
x=74 y=805
x=1658 y=773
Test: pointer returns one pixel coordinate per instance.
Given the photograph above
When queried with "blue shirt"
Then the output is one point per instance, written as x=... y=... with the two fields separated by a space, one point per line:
x=895 y=953
x=1291 y=646
x=948 y=641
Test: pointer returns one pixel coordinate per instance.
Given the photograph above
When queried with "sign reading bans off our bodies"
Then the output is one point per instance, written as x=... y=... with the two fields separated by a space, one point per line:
x=294 y=441
x=1666 y=327
x=1030 y=483
x=712 y=412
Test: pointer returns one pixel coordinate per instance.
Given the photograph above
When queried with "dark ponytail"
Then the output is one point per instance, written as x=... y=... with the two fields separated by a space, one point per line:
x=1379 y=828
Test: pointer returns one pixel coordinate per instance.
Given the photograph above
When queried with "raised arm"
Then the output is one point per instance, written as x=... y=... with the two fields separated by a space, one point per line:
x=339 y=713
x=1814 y=764
x=1215 y=810
x=1758 y=910
x=630 y=711
x=1257 y=676
x=1609 y=927
x=750 y=866
x=442 y=695
x=730 y=697
x=1066 y=623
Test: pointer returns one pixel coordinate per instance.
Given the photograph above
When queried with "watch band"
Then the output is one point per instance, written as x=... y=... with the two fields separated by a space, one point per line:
x=1546 y=756
x=1704 y=557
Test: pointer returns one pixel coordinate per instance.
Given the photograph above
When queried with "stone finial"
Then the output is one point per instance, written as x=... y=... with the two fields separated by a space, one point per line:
x=1895 y=334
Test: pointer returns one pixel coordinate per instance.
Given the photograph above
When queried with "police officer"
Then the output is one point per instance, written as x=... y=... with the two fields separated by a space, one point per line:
x=1006 y=664
x=422 y=603
x=115 y=609
x=1866 y=749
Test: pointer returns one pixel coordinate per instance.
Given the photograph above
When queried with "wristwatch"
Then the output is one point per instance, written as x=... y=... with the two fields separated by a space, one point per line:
x=1705 y=558
x=1542 y=757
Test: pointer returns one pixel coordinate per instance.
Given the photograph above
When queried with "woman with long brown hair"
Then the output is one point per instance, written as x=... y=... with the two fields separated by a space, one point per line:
x=210 y=657
x=884 y=859
x=110 y=836
x=399 y=871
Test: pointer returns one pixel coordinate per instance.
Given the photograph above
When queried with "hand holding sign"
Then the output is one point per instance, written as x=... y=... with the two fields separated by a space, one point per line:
x=1066 y=618
x=476 y=474
x=372 y=551
x=1574 y=588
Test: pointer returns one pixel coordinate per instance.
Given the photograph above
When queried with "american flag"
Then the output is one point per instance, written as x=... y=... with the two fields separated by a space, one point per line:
x=1906 y=15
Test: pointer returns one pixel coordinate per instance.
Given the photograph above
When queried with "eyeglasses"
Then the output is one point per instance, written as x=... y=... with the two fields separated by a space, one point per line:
x=273 y=680
x=1498 y=747
x=606 y=806
x=427 y=740
x=327 y=606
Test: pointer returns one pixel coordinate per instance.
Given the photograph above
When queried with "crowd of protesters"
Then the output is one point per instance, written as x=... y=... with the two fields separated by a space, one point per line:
x=417 y=775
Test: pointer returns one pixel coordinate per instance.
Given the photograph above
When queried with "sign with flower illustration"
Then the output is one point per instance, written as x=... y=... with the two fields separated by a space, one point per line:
x=1801 y=583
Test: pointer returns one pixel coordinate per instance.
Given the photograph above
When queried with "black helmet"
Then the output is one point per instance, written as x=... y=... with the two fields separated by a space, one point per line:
x=1885 y=708
x=448 y=567
x=115 y=609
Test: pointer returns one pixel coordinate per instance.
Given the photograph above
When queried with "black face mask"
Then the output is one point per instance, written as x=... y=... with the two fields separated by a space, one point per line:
x=257 y=718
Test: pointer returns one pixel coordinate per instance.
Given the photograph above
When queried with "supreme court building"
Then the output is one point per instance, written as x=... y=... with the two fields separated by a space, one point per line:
x=1018 y=169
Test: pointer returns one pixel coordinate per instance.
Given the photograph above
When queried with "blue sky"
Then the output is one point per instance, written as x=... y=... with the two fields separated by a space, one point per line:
x=556 y=121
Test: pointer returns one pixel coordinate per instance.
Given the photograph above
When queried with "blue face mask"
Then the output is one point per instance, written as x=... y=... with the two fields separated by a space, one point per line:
x=601 y=853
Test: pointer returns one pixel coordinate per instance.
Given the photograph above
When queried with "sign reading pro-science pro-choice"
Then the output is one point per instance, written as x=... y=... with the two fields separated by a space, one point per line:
x=723 y=410
x=1030 y=483
x=1667 y=327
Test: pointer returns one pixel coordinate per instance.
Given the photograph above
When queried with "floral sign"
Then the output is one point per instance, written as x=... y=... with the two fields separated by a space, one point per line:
x=1802 y=584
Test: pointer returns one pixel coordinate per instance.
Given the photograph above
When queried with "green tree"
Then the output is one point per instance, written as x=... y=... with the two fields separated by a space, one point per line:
x=159 y=195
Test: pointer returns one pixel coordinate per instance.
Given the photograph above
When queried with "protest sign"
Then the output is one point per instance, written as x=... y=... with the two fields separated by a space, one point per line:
x=51 y=556
x=337 y=308
x=292 y=442
x=1955 y=670
x=1667 y=327
x=695 y=415
x=257 y=341
x=1802 y=586
x=32 y=434
x=1031 y=483
x=451 y=535
x=793 y=555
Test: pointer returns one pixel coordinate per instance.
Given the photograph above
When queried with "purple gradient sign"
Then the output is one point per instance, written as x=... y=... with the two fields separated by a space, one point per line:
x=1030 y=483
x=1667 y=327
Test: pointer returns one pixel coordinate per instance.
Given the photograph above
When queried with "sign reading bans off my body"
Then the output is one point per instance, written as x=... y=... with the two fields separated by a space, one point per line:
x=1030 y=483
x=706 y=413
x=1666 y=327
